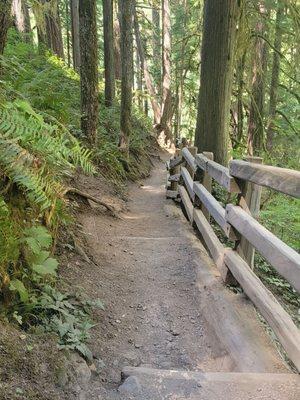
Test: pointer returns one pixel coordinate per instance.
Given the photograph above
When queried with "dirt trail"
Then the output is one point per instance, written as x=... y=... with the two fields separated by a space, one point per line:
x=147 y=276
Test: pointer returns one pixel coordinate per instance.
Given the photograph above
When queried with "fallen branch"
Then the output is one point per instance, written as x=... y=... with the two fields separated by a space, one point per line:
x=88 y=196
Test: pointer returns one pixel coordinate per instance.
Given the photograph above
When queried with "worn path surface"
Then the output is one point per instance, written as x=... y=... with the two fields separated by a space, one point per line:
x=165 y=305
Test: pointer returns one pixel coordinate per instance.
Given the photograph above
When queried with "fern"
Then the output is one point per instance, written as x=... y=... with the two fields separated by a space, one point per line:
x=9 y=246
x=36 y=155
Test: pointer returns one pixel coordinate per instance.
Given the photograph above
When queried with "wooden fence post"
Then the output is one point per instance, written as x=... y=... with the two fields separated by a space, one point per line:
x=250 y=201
x=175 y=171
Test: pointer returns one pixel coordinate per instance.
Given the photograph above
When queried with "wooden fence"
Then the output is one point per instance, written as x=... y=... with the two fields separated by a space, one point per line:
x=191 y=176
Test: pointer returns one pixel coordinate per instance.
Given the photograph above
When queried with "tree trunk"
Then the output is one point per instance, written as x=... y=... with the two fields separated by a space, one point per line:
x=256 y=113
x=275 y=77
x=5 y=21
x=180 y=76
x=88 y=68
x=166 y=106
x=67 y=11
x=156 y=46
x=53 y=30
x=139 y=80
x=117 y=50
x=240 y=105
x=74 y=6
x=126 y=14
x=109 y=67
x=22 y=20
x=49 y=26
x=144 y=66
x=219 y=37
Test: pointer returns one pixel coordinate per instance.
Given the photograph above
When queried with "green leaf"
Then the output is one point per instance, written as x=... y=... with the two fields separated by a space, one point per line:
x=41 y=257
x=17 y=286
x=47 y=268
x=33 y=245
x=85 y=351
x=26 y=107
x=40 y=234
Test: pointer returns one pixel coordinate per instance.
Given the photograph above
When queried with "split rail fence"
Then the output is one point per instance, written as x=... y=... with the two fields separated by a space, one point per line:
x=190 y=177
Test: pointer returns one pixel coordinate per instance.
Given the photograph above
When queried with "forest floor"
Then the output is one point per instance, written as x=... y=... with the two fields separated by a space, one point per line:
x=156 y=281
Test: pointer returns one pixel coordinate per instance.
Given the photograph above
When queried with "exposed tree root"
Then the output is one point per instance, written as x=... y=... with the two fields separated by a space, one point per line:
x=90 y=197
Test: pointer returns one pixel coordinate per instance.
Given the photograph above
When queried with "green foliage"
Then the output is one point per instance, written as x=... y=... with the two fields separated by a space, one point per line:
x=67 y=316
x=48 y=309
x=9 y=247
x=36 y=155
x=286 y=294
x=281 y=215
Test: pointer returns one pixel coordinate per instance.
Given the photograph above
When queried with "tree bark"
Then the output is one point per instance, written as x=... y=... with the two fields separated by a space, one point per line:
x=126 y=13
x=88 y=68
x=22 y=19
x=166 y=106
x=219 y=37
x=256 y=113
x=147 y=76
x=117 y=49
x=53 y=30
x=271 y=128
x=5 y=22
x=49 y=26
x=156 y=45
x=67 y=12
x=139 y=80
x=240 y=89
x=109 y=65
x=74 y=7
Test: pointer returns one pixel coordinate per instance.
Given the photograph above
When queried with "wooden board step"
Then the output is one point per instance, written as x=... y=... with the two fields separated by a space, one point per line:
x=155 y=384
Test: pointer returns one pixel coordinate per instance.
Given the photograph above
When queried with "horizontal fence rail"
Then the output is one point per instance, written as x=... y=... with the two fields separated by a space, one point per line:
x=191 y=178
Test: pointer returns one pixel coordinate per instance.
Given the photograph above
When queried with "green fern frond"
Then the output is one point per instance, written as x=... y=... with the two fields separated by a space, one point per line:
x=36 y=155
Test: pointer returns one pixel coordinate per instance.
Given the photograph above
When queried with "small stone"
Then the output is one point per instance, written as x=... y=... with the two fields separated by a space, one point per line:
x=130 y=386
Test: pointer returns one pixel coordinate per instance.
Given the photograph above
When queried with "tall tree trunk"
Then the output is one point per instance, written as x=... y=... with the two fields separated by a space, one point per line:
x=22 y=19
x=166 y=106
x=240 y=105
x=256 y=113
x=275 y=76
x=147 y=76
x=126 y=13
x=67 y=11
x=49 y=26
x=219 y=37
x=109 y=65
x=88 y=68
x=117 y=49
x=74 y=6
x=156 y=45
x=139 y=80
x=180 y=75
x=5 y=21
x=53 y=29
